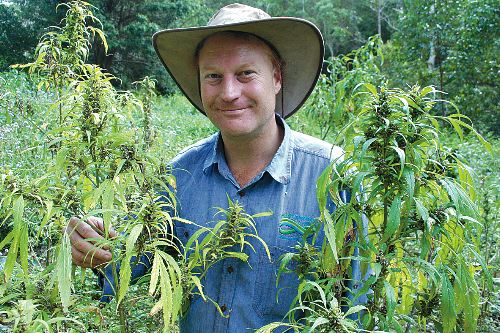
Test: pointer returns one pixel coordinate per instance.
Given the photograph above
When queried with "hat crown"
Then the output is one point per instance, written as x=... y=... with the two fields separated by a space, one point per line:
x=237 y=13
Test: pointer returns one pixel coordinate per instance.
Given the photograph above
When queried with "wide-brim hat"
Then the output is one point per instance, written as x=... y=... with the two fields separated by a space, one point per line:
x=298 y=42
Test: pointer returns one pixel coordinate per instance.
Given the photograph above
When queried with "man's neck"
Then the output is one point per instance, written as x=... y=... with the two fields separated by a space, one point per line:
x=248 y=157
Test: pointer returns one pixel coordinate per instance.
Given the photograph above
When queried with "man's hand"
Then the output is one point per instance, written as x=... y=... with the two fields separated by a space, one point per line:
x=83 y=236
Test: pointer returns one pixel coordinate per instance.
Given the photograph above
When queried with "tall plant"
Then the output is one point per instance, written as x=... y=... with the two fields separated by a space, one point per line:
x=419 y=249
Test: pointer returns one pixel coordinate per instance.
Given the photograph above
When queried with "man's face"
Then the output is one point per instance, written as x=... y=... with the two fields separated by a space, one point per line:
x=238 y=84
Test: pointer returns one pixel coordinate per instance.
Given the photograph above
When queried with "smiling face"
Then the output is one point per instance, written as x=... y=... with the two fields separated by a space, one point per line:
x=239 y=83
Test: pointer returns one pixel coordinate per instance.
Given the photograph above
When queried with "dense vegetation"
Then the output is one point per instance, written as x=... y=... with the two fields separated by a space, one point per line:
x=451 y=44
x=73 y=143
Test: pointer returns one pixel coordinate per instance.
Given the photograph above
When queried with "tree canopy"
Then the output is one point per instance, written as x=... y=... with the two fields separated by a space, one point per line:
x=450 y=44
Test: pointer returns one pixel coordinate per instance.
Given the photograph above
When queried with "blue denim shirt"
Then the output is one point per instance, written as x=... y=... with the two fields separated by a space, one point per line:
x=247 y=292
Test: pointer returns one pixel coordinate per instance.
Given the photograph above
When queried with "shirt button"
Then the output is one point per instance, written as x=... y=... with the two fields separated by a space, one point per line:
x=230 y=269
x=223 y=308
x=186 y=234
x=242 y=193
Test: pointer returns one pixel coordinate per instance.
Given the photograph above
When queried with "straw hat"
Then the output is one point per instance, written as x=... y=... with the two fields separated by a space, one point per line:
x=298 y=42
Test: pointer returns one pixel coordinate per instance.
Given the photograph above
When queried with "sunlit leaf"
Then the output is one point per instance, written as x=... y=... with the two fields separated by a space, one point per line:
x=63 y=267
x=393 y=219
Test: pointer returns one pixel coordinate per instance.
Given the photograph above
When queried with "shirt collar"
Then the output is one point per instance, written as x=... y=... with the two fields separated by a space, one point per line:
x=280 y=166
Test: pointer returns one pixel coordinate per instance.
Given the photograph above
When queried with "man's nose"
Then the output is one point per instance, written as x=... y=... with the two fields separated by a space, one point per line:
x=231 y=89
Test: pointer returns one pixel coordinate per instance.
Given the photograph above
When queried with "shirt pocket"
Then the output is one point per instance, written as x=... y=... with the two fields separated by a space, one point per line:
x=270 y=300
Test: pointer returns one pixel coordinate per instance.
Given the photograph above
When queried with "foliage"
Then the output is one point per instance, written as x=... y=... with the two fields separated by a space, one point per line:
x=21 y=24
x=333 y=94
x=448 y=44
x=420 y=250
x=420 y=253
x=453 y=46
x=82 y=146
x=99 y=159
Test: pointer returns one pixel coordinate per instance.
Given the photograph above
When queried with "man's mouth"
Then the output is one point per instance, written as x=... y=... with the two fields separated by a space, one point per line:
x=233 y=109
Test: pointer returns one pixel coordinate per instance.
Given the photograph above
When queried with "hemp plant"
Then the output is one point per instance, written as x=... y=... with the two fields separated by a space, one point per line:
x=100 y=166
x=420 y=244
x=61 y=54
x=331 y=102
x=411 y=225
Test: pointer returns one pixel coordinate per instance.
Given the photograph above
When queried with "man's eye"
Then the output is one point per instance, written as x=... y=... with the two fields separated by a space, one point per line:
x=247 y=73
x=212 y=76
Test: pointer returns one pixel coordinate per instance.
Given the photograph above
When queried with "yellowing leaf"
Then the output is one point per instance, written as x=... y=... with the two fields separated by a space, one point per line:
x=63 y=267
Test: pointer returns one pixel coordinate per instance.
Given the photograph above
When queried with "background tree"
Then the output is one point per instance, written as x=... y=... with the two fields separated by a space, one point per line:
x=129 y=26
x=22 y=22
x=452 y=45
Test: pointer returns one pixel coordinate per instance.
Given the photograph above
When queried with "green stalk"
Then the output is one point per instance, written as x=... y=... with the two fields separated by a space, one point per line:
x=386 y=203
x=121 y=310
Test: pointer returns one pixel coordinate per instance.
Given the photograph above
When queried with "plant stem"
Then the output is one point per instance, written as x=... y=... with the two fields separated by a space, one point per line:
x=384 y=180
x=121 y=309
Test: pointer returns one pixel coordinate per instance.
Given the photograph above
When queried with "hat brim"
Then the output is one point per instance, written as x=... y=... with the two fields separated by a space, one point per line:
x=298 y=42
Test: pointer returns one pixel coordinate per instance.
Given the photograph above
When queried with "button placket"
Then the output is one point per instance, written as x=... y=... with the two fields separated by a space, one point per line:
x=226 y=295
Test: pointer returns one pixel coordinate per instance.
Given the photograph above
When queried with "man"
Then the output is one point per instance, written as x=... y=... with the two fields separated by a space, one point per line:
x=246 y=72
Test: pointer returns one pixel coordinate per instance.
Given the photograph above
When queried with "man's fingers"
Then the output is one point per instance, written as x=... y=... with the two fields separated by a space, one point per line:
x=85 y=246
x=75 y=225
x=87 y=260
x=99 y=224
x=83 y=238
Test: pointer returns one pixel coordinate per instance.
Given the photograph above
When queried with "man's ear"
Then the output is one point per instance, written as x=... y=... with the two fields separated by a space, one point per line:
x=277 y=79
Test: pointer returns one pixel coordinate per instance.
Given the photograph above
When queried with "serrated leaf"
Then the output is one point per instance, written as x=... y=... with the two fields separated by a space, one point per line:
x=390 y=298
x=48 y=215
x=157 y=307
x=17 y=234
x=423 y=212
x=23 y=250
x=166 y=297
x=155 y=273
x=7 y=239
x=108 y=198
x=365 y=147
x=469 y=292
x=393 y=219
x=330 y=235
x=125 y=276
x=11 y=257
x=402 y=158
x=319 y=321
x=427 y=90
x=132 y=239
x=354 y=309
x=239 y=255
x=322 y=188
x=125 y=268
x=371 y=88
x=197 y=283
x=460 y=199
x=409 y=176
x=448 y=313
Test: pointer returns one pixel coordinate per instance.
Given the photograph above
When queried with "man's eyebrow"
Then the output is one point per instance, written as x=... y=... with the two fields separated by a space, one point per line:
x=251 y=64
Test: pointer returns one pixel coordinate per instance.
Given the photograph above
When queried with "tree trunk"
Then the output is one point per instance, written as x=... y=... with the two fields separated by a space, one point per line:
x=431 y=62
x=379 y=18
